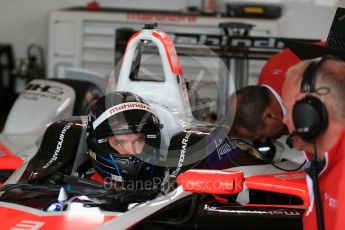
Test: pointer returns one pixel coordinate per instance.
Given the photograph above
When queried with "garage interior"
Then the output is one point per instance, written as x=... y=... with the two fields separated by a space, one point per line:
x=222 y=46
x=45 y=42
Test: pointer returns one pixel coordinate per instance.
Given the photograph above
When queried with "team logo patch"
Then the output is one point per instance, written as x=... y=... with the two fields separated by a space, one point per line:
x=120 y=108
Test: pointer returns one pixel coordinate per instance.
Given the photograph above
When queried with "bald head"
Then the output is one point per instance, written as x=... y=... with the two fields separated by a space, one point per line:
x=329 y=85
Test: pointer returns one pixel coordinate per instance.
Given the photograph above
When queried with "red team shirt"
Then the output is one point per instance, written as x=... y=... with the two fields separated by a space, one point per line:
x=332 y=185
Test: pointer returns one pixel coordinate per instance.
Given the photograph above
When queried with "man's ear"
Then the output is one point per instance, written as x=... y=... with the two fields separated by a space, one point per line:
x=299 y=96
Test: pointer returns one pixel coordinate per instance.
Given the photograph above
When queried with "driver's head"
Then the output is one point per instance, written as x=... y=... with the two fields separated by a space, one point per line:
x=123 y=135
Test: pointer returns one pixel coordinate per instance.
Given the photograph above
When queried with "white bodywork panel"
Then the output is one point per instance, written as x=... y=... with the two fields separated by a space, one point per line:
x=169 y=98
x=43 y=102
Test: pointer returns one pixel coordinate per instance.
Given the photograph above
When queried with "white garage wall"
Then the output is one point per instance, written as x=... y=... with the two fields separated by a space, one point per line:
x=307 y=20
x=23 y=22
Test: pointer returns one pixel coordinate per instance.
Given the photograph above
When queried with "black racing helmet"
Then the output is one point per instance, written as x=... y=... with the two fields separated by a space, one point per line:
x=120 y=114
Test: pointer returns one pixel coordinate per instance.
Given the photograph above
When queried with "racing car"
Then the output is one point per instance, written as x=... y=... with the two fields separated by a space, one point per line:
x=252 y=194
x=48 y=193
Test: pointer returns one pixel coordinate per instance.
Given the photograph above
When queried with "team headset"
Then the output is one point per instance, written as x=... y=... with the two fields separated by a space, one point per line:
x=309 y=116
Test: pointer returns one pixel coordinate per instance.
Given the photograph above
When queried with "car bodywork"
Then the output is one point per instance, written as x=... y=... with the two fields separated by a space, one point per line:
x=239 y=201
x=42 y=102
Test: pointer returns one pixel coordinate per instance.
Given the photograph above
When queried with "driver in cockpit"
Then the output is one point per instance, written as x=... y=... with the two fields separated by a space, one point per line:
x=123 y=135
x=123 y=146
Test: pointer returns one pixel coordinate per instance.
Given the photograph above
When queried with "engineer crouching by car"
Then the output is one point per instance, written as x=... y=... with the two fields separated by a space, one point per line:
x=257 y=109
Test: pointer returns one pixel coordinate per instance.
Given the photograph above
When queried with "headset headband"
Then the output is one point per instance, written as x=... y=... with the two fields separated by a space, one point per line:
x=309 y=76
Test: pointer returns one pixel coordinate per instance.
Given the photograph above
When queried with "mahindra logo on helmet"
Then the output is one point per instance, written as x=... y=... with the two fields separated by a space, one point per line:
x=120 y=108
x=45 y=88
x=127 y=106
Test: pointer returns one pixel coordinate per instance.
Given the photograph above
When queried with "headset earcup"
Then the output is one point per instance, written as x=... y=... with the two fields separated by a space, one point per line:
x=309 y=117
